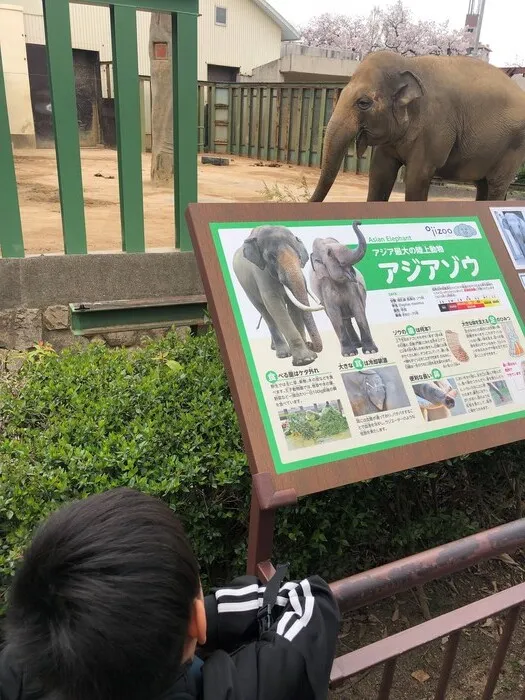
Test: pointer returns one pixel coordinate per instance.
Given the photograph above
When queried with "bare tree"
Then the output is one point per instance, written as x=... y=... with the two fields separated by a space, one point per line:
x=161 y=99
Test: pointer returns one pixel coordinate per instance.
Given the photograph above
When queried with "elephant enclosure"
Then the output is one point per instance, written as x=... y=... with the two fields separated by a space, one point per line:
x=242 y=181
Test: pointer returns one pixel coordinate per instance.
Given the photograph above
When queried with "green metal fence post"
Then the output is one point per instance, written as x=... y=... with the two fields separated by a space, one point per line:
x=128 y=123
x=11 y=241
x=65 y=124
x=185 y=116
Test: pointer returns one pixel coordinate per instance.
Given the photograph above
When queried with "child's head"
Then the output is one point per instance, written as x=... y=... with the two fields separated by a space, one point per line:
x=107 y=601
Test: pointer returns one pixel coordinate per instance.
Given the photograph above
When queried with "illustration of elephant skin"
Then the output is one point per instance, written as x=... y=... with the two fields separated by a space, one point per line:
x=269 y=268
x=516 y=226
x=375 y=391
x=452 y=116
x=342 y=291
x=435 y=399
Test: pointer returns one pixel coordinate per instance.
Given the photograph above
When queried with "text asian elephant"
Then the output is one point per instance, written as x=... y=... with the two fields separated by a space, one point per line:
x=342 y=291
x=269 y=268
x=455 y=117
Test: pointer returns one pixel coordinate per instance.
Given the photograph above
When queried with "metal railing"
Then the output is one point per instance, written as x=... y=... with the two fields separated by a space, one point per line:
x=128 y=125
x=375 y=585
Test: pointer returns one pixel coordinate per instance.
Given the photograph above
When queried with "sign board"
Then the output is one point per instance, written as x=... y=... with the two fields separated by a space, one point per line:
x=428 y=363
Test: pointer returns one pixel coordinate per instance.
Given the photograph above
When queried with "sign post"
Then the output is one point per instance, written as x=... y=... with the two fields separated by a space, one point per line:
x=361 y=339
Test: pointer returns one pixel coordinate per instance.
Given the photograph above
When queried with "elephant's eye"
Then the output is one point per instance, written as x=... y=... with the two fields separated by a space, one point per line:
x=364 y=103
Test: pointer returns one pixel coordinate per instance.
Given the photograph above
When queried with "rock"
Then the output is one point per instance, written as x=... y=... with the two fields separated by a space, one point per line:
x=59 y=340
x=56 y=318
x=27 y=328
x=6 y=328
x=121 y=338
x=3 y=359
x=14 y=361
x=212 y=160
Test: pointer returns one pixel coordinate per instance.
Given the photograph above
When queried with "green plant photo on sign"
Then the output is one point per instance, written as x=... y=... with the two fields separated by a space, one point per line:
x=412 y=323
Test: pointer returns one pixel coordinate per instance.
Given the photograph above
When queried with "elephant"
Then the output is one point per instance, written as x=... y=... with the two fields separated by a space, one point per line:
x=375 y=390
x=435 y=399
x=269 y=266
x=342 y=291
x=516 y=226
x=455 y=117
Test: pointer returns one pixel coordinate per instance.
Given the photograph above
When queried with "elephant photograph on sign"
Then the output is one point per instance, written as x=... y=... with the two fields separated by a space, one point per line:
x=439 y=399
x=454 y=117
x=341 y=289
x=512 y=228
x=269 y=267
x=375 y=390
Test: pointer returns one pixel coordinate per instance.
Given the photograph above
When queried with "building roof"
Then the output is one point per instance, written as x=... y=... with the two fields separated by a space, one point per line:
x=288 y=32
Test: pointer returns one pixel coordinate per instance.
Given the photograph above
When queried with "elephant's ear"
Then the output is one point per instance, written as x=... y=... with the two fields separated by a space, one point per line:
x=301 y=251
x=318 y=267
x=409 y=88
x=252 y=252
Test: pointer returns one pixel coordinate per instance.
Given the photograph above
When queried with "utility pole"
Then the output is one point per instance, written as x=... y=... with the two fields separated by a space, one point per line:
x=480 y=13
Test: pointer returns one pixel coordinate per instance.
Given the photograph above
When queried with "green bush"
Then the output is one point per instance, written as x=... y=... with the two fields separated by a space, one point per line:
x=160 y=419
x=521 y=174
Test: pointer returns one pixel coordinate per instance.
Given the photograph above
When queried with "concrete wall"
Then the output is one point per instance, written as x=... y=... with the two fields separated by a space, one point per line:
x=520 y=80
x=35 y=291
x=306 y=64
x=249 y=39
x=14 y=61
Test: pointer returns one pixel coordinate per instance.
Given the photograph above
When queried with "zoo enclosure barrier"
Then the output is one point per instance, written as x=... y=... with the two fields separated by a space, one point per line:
x=184 y=15
x=377 y=584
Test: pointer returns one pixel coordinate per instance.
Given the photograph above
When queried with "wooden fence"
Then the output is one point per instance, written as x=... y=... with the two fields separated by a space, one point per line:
x=275 y=122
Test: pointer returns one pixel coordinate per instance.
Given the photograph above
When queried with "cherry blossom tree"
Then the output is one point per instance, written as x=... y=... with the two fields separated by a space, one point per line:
x=393 y=28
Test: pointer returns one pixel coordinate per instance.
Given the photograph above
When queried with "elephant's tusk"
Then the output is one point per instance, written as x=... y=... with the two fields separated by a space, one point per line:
x=318 y=303
x=296 y=302
x=259 y=324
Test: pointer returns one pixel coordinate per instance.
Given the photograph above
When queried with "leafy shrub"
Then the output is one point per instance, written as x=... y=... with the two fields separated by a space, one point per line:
x=160 y=419
x=521 y=174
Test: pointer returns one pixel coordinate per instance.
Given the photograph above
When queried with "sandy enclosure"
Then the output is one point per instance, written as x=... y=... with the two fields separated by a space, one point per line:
x=242 y=181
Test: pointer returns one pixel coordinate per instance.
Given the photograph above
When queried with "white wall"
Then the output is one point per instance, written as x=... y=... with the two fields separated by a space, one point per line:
x=14 y=61
x=249 y=39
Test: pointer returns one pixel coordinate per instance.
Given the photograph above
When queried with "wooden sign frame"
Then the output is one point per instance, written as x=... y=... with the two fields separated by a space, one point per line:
x=272 y=490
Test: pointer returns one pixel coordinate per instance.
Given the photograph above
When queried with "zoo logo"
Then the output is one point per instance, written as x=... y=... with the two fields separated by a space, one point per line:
x=464 y=231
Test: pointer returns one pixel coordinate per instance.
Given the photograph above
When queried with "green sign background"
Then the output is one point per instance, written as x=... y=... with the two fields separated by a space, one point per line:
x=478 y=249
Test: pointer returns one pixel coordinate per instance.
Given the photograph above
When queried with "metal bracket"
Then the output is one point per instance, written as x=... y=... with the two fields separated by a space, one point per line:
x=136 y=314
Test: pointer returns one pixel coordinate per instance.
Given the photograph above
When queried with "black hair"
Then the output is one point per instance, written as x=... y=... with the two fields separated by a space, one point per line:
x=100 y=605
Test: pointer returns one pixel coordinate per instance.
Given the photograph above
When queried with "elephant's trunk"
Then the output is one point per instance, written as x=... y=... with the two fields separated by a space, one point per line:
x=359 y=252
x=339 y=135
x=434 y=395
x=294 y=282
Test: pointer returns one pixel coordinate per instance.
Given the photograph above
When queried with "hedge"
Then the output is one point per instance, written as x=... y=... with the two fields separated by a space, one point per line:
x=160 y=418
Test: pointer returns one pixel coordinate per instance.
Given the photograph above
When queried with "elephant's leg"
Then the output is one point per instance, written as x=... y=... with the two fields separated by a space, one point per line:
x=277 y=309
x=482 y=190
x=418 y=179
x=352 y=332
x=349 y=343
x=383 y=173
x=367 y=342
x=279 y=343
x=500 y=179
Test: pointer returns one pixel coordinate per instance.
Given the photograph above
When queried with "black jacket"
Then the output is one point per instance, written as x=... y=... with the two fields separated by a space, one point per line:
x=290 y=661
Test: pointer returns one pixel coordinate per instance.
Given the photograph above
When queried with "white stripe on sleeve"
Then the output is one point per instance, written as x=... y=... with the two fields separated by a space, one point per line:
x=254 y=588
x=245 y=605
x=298 y=617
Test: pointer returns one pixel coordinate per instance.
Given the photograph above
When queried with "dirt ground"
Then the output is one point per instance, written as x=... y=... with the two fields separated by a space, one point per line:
x=476 y=649
x=242 y=181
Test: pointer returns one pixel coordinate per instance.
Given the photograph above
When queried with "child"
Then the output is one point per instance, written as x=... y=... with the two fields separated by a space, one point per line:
x=107 y=605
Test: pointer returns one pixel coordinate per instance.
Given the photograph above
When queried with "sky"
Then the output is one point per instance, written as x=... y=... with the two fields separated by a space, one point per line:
x=503 y=25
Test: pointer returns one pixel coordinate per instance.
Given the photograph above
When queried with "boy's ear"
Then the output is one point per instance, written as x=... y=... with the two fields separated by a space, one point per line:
x=197 y=626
